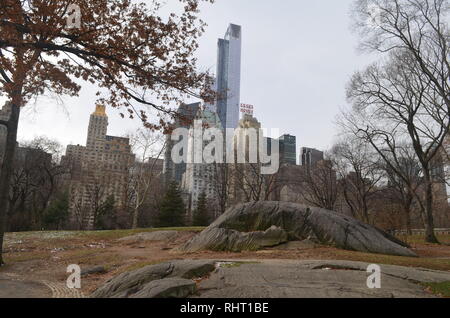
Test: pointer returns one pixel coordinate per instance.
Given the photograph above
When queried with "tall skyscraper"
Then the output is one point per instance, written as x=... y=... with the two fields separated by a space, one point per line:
x=229 y=77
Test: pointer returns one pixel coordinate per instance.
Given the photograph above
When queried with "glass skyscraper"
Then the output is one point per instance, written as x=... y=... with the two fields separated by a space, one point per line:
x=228 y=79
x=288 y=150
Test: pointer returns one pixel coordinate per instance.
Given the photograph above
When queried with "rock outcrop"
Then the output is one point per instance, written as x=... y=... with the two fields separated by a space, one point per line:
x=167 y=280
x=253 y=226
x=167 y=288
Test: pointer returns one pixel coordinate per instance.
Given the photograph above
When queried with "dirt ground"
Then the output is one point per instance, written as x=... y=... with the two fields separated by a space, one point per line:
x=43 y=257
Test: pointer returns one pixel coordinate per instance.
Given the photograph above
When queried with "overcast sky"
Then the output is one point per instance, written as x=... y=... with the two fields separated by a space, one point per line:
x=297 y=57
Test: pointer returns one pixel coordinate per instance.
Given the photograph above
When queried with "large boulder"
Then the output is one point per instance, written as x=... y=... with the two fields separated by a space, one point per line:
x=256 y=225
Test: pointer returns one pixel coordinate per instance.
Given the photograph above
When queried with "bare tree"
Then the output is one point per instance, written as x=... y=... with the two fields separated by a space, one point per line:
x=395 y=101
x=221 y=185
x=149 y=147
x=96 y=194
x=410 y=94
x=358 y=174
x=318 y=185
x=79 y=214
x=35 y=180
x=93 y=205
x=133 y=54
x=251 y=184
x=418 y=27
x=405 y=181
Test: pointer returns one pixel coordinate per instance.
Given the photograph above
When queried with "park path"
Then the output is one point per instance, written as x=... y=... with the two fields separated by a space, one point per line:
x=13 y=287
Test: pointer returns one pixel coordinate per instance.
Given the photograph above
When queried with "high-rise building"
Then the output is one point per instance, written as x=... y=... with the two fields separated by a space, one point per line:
x=288 y=150
x=174 y=171
x=200 y=176
x=310 y=157
x=228 y=81
x=246 y=174
x=97 y=172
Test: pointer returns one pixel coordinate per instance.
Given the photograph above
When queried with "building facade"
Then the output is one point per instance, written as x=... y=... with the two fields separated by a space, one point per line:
x=98 y=172
x=288 y=150
x=174 y=171
x=310 y=157
x=246 y=182
x=200 y=177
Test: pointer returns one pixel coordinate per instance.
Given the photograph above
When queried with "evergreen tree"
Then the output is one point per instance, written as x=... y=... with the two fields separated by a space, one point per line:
x=57 y=212
x=172 y=210
x=201 y=217
x=105 y=215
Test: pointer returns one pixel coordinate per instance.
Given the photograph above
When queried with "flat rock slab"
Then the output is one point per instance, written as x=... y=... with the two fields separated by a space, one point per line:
x=269 y=279
x=257 y=225
x=315 y=279
x=142 y=281
x=152 y=236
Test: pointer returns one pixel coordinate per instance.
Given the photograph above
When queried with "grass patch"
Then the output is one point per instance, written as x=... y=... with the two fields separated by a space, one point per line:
x=80 y=254
x=439 y=289
x=118 y=234
x=92 y=257
x=101 y=235
x=420 y=239
x=26 y=256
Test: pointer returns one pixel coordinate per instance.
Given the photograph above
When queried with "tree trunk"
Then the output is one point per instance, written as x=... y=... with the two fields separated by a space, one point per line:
x=365 y=210
x=430 y=236
x=408 y=221
x=6 y=171
x=135 y=217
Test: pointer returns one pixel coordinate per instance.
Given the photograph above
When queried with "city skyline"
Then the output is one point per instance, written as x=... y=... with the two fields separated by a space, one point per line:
x=309 y=74
x=326 y=147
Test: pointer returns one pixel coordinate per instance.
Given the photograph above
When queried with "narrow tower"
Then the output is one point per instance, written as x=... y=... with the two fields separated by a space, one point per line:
x=229 y=76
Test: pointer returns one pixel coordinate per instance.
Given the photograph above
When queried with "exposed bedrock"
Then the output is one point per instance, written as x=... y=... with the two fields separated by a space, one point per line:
x=257 y=225
x=167 y=280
